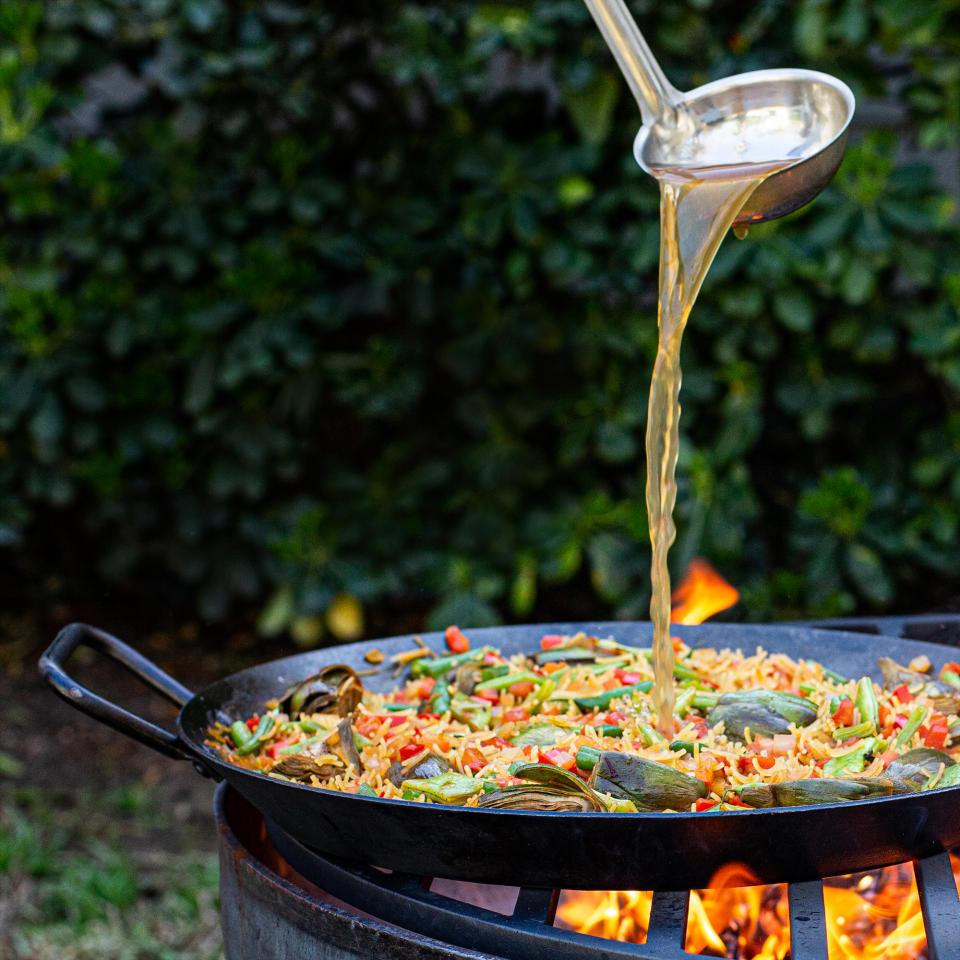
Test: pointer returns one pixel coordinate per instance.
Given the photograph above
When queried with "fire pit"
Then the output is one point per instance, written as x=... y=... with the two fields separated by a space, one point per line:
x=279 y=899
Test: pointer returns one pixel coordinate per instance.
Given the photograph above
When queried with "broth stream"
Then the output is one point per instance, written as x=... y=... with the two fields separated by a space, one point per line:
x=697 y=207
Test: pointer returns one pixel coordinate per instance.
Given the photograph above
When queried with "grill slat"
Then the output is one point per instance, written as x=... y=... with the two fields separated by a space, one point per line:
x=808 y=921
x=536 y=906
x=940 y=906
x=668 y=922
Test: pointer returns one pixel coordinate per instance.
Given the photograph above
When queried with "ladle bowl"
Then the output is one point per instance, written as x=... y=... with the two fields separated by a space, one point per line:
x=796 y=115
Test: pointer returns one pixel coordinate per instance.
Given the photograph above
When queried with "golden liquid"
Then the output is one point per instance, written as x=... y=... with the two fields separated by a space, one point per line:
x=697 y=207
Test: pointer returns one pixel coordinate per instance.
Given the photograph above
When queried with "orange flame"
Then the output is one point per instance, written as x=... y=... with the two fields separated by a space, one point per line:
x=870 y=916
x=700 y=594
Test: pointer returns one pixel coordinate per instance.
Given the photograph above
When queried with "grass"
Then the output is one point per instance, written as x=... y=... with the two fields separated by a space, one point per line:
x=86 y=876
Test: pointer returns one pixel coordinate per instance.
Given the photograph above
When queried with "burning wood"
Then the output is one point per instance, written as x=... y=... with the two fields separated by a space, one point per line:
x=870 y=916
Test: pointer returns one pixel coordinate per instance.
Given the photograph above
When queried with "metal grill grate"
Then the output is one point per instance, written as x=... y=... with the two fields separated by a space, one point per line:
x=528 y=933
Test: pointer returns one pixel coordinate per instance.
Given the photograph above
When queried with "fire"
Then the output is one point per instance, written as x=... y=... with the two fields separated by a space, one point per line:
x=870 y=916
x=700 y=594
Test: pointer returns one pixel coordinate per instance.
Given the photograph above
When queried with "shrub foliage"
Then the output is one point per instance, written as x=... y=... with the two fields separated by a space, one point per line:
x=302 y=299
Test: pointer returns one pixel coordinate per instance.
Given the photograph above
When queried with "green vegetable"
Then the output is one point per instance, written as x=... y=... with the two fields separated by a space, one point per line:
x=365 y=790
x=263 y=732
x=501 y=670
x=948 y=676
x=705 y=700
x=587 y=757
x=807 y=688
x=474 y=715
x=951 y=776
x=913 y=724
x=763 y=712
x=651 y=786
x=685 y=701
x=835 y=702
x=796 y=793
x=536 y=700
x=297 y=747
x=241 y=734
x=603 y=700
x=398 y=707
x=650 y=735
x=437 y=667
x=609 y=730
x=866 y=703
x=451 y=788
x=860 y=730
x=830 y=674
x=854 y=760
x=501 y=683
x=539 y=735
x=440 y=698
x=683 y=746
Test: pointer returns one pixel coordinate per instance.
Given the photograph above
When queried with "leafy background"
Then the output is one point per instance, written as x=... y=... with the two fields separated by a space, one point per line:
x=317 y=308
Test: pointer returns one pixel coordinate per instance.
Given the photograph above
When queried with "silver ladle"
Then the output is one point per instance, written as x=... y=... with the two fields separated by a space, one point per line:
x=767 y=116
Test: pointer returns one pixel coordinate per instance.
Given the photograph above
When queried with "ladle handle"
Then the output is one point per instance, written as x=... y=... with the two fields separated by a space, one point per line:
x=652 y=90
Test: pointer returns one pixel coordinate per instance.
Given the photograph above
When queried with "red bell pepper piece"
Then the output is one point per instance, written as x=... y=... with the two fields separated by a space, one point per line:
x=275 y=748
x=516 y=714
x=521 y=690
x=456 y=640
x=488 y=696
x=702 y=805
x=253 y=722
x=843 y=716
x=424 y=688
x=937 y=733
x=615 y=717
x=952 y=667
x=627 y=677
x=887 y=757
x=497 y=742
x=902 y=693
x=559 y=758
x=551 y=641
x=410 y=750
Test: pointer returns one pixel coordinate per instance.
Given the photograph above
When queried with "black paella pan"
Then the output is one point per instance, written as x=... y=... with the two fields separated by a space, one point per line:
x=570 y=850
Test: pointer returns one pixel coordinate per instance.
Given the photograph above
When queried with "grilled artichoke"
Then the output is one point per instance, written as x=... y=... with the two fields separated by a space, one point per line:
x=651 y=786
x=764 y=712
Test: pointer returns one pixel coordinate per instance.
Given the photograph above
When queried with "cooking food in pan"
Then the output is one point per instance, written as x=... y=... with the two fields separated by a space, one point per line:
x=570 y=727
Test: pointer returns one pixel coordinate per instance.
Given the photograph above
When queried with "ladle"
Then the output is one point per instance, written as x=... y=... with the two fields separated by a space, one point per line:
x=767 y=116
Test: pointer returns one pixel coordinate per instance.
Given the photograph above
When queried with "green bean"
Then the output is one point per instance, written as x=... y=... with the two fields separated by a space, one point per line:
x=587 y=757
x=860 y=730
x=603 y=700
x=437 y=667
x=866 y=703
x=501 y=683
x=650 y=735
x=683 y=746
x=365 y=790
x=911 y=726
x=241 y=733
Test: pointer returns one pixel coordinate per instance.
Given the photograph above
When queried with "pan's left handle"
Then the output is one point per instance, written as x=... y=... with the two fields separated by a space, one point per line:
x=53 y=668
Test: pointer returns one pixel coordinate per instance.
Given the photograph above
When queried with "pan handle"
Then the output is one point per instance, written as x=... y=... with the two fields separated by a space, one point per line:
x=53 y=669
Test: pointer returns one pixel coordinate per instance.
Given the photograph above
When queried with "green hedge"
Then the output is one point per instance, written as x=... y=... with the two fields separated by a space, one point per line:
x=310 y=298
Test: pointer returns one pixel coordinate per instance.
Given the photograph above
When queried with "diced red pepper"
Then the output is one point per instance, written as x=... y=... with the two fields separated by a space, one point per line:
x=677 y=644
x=489 y=696
x=253 y=722
x=899 y=721
x=702 y=805
x=473 y=759
x=936 y=735
x=516 y=714
x=627 y=677
x=559 y=758
x=497 y=742
x=490 y=658
x=428 y=716
x=843 y=716
x=952 y=667
x=456 y=640
x=521 y=690
x=275 y=748
x=615 y=717
x=700 y=726
x=551 y=641
x=734 y=801
x=902 y=693
x=887 y=757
